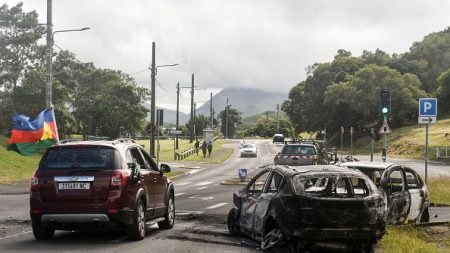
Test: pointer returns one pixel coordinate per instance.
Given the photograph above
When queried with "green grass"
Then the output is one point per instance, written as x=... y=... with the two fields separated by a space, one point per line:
x=15 y=167
x=408 y=239
x=439 y=190
x=409 y=142
x=218 y=155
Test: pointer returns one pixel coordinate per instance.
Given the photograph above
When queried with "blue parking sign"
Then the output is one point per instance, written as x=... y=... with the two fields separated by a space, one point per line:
x=427 y=107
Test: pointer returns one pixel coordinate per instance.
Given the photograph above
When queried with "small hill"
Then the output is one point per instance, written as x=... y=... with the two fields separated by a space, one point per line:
x=15 y=167
x=409 y=142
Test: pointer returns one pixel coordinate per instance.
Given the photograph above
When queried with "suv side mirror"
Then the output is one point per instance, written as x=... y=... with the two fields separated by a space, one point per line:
x=165 y=168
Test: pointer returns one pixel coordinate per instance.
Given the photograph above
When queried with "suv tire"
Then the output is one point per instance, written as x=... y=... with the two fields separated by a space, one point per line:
x=42 y=233
x=169 y=216
x=136 y=231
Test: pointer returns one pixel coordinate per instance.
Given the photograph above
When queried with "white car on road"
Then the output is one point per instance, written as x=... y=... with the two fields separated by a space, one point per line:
x=248 y=149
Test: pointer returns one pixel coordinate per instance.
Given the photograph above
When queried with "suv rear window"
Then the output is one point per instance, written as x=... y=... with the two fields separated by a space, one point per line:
x=79 y=158
x=298 y=150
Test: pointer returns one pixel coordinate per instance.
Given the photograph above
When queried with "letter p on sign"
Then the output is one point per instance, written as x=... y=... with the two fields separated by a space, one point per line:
x=427 y=107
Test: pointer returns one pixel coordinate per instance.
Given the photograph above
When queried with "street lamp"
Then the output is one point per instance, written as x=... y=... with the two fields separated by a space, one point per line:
x=154 y=71
x=49 y=55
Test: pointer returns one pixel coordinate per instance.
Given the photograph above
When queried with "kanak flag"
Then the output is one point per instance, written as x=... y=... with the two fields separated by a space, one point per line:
x=28 y=136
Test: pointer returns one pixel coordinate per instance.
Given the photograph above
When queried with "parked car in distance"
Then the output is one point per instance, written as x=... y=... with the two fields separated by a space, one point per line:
x=406 y=193
x=278 y=138
x=297 y=154
x=311 y=205
x=100 y=185
x=248 y=149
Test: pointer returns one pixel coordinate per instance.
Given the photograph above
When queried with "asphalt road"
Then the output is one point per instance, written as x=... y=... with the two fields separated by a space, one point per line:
x=202 y=204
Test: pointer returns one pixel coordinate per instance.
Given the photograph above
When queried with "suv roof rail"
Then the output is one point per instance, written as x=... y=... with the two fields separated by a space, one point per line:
x=122 y=140
x=66 y=141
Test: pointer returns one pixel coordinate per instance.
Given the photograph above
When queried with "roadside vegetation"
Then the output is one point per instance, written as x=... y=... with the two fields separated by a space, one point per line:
x=439 y=190
x=416 y=239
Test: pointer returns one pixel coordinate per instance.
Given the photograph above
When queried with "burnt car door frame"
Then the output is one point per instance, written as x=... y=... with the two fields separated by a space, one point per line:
x=398 y=200
x=248 y=203
x=263 y=203
x=417 y=195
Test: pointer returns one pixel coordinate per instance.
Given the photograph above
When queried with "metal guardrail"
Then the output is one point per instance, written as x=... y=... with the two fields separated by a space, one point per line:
x=442 y=152
x=184 y=154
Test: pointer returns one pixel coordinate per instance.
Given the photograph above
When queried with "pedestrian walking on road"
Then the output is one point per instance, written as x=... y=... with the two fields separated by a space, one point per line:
x=197 y=146
x=204 y=146
x=210 y=146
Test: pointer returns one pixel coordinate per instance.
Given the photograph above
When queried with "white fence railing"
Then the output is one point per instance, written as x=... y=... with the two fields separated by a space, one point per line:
x=442 y=152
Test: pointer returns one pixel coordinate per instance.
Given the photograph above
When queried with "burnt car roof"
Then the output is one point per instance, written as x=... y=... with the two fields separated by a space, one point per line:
x=367 y=164
x=315 y=169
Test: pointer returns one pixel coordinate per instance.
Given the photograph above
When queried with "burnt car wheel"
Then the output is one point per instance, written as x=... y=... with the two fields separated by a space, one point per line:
x=272 y=239
x=169 y=216
x=136 y=231
x=233 y=221
x=42 y=233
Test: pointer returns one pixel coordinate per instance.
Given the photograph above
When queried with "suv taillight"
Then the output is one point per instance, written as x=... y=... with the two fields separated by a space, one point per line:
x=35 y=181
x=117 y=180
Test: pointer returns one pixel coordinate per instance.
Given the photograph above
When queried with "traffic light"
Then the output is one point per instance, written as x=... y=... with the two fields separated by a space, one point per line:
x=385 y=102
x=383 y=154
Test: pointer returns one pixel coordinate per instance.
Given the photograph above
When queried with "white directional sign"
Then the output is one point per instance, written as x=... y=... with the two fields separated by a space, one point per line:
x=427 y=120
x=385 y=129
x=175 y=132
x=427 y=111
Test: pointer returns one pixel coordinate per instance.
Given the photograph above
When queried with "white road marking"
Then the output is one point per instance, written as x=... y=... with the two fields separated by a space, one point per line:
x=216 y=206
x=186 y=212
x=9 y=236
x=179 y=194
x=200 y=197
x=181 y=184
x=201 y=188
x=204 y=183
x=193 y=171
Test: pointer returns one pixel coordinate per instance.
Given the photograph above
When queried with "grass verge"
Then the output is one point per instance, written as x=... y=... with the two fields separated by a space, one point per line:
x=414 y=239
x=439 y=190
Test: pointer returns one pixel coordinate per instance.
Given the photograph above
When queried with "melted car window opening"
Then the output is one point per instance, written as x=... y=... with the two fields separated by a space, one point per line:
x=332 y=186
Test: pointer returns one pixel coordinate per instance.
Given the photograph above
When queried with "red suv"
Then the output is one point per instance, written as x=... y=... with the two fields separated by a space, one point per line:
x=100 y=185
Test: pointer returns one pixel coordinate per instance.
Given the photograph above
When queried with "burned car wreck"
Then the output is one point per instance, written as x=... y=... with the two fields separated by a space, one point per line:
x=311 y=206
x=406 y=194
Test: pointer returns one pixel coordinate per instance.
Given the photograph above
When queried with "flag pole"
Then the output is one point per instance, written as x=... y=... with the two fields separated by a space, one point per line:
x=54 y=121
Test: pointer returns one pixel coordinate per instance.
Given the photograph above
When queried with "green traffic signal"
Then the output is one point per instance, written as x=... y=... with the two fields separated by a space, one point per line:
x=384 y=110
x=385 y=102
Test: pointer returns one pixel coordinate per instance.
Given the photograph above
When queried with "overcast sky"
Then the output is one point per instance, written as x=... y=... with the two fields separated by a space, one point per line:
x=234 y=43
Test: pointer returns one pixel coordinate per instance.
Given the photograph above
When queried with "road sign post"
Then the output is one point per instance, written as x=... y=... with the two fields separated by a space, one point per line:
x=342 y=141
x=372 y=137
x=427 y=116
x=351 y=141
x=384 y=130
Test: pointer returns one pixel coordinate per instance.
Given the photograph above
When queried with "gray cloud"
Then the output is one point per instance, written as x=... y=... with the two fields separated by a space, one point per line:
x=231 y=43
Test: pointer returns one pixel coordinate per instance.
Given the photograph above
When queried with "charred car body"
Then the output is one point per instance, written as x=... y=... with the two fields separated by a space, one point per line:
x=406 y=194
x=310 y=205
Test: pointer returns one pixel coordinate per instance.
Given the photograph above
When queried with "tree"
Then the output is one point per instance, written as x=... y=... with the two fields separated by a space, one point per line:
x=19 y=49
x=443 y=92
x=200 y=122
x=234 y=118
x=361 y=94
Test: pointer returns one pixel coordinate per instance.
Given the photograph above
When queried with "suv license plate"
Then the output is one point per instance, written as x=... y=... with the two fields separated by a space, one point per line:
x=74 y=186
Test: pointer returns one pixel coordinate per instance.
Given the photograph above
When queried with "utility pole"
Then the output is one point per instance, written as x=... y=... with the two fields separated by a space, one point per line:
x=48 y=55
x=372 y=146
x=191 y=139
x=178 y=111
x=211 y=111
x=226 y=120
x=195 y=130
x=278 y=121
x=152 y=106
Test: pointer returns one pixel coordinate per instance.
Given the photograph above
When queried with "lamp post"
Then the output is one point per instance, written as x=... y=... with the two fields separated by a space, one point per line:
x=49 y=56
x=154 y=72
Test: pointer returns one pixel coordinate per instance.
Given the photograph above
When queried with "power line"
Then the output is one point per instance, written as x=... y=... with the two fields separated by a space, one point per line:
x=160 y=86
x=142 y=71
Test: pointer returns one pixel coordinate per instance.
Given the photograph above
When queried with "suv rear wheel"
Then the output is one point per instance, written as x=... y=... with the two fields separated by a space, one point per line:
x=136 y=231
x=169 y=216
x=42 y=233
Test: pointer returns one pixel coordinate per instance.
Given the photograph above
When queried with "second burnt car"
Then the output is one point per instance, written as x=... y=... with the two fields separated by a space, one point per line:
x=406 y=192
x=311 y=206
